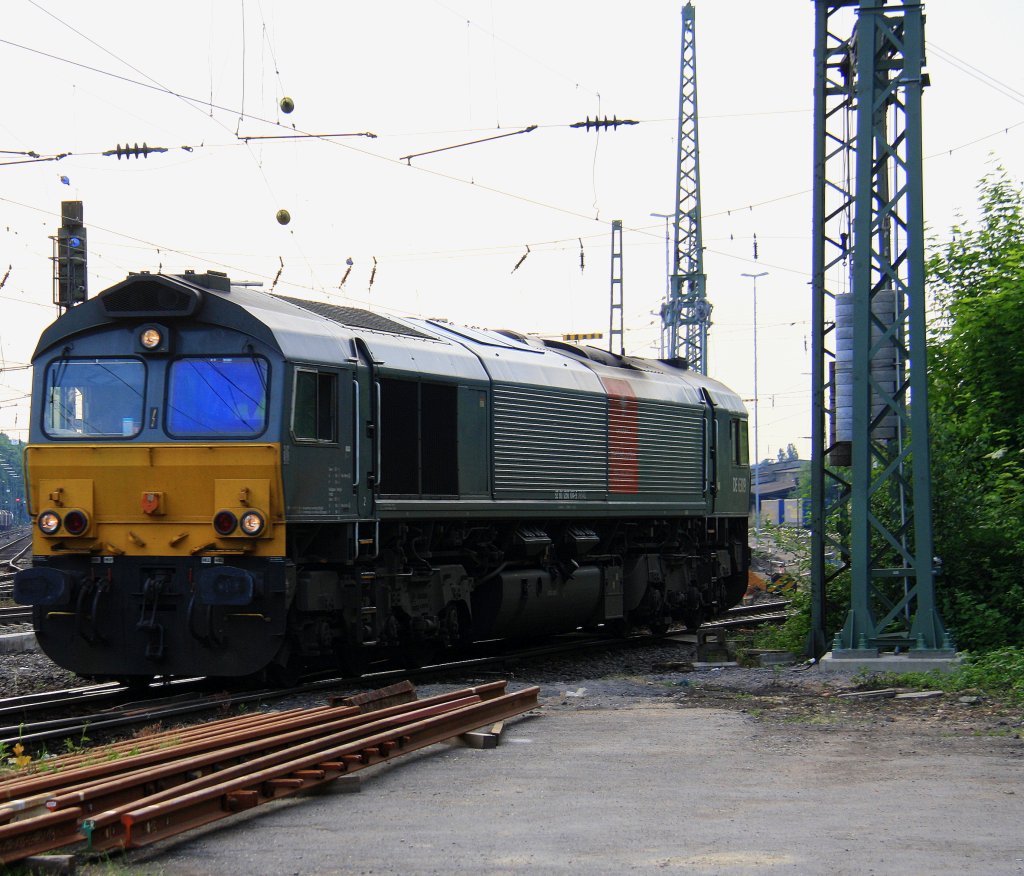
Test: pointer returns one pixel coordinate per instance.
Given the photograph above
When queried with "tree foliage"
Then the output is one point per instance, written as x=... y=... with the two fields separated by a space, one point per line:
x=976 y=385
x=12 y=482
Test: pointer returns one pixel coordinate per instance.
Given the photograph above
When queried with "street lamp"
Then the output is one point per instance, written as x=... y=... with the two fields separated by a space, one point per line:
x=668 y=217
x=757 y=455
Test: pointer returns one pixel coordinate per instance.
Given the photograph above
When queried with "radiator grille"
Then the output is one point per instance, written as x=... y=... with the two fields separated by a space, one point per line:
x=550 y=440
x=671 y=449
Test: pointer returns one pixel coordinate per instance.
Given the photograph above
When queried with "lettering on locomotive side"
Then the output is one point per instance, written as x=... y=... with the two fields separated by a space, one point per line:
x=739 y=485
x=570 y=495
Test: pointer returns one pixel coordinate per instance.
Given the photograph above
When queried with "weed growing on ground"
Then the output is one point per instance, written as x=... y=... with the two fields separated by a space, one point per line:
x=997 y=673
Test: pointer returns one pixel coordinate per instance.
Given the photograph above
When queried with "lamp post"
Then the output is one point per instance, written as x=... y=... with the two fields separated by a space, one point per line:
x=757 y=455
x=668 y=217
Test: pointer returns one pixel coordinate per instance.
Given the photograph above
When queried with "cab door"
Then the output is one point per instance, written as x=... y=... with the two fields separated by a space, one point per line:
x=364 y=430
x=711 y=445
x=320 y=452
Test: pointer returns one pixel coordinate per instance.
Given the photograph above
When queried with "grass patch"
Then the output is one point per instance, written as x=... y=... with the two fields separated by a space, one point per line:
x=998 y=673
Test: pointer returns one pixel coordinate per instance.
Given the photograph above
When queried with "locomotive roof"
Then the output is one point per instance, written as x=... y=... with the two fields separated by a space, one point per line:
x=319 y=332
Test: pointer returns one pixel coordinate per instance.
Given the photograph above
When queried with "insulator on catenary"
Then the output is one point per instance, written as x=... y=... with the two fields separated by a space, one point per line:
x=597 y=124
x=134 y=151
x=522 y=259
x=348 y=271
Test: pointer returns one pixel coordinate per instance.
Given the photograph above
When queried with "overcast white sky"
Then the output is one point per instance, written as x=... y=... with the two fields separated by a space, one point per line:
x=447 y=231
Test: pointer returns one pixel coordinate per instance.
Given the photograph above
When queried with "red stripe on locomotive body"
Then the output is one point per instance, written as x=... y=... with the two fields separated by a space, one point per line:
x=623 y=437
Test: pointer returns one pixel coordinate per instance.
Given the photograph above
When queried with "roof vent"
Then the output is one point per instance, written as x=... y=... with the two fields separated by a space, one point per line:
x=151 y=295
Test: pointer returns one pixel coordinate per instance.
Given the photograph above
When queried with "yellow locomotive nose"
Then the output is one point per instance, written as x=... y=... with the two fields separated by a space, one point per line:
x=158 y=499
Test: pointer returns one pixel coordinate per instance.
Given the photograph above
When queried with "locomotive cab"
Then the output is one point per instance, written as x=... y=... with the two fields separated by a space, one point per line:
x=155 y=474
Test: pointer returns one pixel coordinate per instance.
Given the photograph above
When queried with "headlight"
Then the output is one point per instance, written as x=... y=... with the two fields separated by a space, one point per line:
x=76 y=522
x=224 y=522
x=150 y=338
x=49 y=522
x=252 y=523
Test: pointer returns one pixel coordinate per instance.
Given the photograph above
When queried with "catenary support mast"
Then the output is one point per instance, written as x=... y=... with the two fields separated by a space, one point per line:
x=686 y=315
x=616 y=326
x=871 y=502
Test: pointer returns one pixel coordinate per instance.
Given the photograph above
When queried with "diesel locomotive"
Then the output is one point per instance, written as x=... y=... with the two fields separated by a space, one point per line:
x=227 y=482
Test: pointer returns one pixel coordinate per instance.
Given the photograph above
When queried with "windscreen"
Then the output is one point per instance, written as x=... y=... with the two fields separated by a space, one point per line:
x=94 y=398
x=217 y=396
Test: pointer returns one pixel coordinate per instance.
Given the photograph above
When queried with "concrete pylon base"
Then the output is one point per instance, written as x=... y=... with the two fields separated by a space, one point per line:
x=898 y=663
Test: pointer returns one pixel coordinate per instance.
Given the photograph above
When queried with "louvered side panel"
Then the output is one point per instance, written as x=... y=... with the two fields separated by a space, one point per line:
x=671 y=449
x=550 y=442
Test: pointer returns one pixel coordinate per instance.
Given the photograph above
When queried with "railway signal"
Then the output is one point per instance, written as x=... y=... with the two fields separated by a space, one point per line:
x=71 y=283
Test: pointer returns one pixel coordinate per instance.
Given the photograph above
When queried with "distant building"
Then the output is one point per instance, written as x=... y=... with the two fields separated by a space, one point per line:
x=779 y=483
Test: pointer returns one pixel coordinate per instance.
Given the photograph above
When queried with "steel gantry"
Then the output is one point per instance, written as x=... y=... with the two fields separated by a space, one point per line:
x=871 y=502
x=686 y=314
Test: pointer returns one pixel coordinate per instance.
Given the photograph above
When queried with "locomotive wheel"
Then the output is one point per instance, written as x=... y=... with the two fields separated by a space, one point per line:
x=456 y=626
x=692 y=620
x=284 y=676
x=619 y=627
x=659 y=626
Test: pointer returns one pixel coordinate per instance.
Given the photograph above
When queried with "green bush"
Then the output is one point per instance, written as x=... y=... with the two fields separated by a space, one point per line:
x=976 y=385
x=998 y=673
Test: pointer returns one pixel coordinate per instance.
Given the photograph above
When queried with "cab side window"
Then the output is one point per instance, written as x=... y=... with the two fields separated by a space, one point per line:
x=314 y=406
x=738 y=438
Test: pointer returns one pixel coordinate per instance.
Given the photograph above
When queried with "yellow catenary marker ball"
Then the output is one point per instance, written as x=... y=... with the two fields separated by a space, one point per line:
x=284 y=217
x=287 y=105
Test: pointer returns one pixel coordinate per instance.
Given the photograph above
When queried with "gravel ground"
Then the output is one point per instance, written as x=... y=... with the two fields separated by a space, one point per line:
x=650 y=723
x=629 y=767
x=32 y=672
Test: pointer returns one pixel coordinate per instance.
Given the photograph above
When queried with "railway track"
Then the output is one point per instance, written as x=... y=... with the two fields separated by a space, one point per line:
x=113 y=707
x=775 y=611
x=16 y=614
x=12 y=559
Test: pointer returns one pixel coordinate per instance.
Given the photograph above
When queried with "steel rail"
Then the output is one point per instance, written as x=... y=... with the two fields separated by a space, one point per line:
x=287 y=752
x=70 y=727
x=153 y=822
x=17 y=614
x=91 y=787
x=63 y=728
x=25 y=732
x=110 y=801
x=16 y=540
x=25 y=703
x=12 y=561
x=19 y=792
x=755 y=608
x=127 y=748
x=747 y=620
